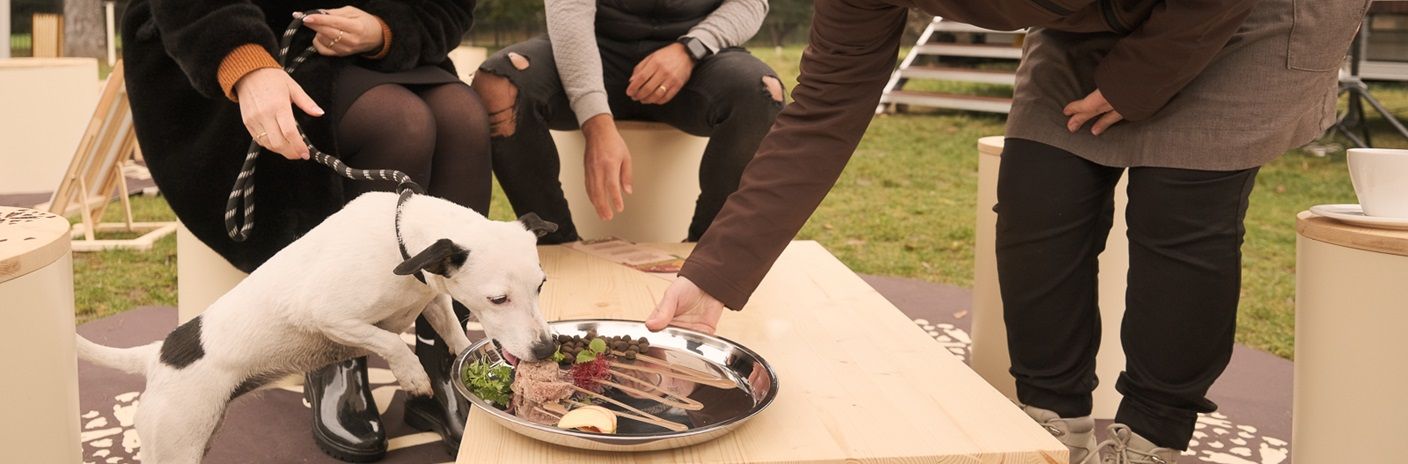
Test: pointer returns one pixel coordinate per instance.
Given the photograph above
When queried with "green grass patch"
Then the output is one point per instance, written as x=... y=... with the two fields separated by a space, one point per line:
x=110 y=282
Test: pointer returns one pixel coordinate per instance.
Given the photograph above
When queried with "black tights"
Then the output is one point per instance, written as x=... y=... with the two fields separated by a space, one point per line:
x=437 y=134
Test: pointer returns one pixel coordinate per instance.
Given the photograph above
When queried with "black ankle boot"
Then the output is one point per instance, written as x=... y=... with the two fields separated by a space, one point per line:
x=346 y=424
x=444 y=412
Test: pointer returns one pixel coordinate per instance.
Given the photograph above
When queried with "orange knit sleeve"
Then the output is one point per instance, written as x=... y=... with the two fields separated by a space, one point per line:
x=385 y=42
x=241 y=61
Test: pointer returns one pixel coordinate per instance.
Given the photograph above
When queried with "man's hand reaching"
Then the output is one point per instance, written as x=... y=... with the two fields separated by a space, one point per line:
x=686 y=305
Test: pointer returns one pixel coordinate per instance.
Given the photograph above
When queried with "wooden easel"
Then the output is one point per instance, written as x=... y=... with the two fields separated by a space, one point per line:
x=95 y=176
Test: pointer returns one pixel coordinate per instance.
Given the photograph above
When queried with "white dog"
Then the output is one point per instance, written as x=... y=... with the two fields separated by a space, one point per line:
x=330 y=296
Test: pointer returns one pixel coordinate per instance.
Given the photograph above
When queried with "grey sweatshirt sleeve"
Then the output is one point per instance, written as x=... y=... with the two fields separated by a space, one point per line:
x=732 y=24
x=572 y=28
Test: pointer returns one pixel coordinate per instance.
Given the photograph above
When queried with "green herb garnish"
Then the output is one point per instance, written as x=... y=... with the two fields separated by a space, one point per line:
x=594 y=348
x=557 y=356
x=490 y=382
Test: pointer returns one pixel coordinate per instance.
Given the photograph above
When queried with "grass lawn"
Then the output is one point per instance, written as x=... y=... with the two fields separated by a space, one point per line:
x=904 y=207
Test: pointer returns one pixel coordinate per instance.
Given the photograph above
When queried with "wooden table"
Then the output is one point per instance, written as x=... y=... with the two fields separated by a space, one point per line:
x=858 y=381
x=40 y=390
x=1351 y=308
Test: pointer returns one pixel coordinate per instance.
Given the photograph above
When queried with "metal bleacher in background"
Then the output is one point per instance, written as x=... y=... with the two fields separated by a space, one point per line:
x=927 y=61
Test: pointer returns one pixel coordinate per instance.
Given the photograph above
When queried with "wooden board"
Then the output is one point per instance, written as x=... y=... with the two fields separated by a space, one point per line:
x=1312 y=226
x=47 y=39
x=858 y=381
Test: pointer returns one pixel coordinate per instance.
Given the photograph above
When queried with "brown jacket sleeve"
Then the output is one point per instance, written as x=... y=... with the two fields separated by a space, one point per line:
x=1150 y=66
x=853 y=47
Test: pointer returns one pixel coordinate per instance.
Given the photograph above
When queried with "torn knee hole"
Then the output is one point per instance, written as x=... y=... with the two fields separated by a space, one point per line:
x=499 y=96
x=502 y=123
x=774 y=87
x=520 y=62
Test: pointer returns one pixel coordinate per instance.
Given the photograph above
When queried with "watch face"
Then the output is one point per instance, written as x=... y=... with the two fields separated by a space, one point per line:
x=696 y=48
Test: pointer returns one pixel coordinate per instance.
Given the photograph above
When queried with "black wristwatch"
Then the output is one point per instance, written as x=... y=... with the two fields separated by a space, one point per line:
x=696 y=48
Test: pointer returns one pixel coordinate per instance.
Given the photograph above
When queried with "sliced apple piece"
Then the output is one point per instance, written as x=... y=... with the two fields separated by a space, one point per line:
x=589 y=419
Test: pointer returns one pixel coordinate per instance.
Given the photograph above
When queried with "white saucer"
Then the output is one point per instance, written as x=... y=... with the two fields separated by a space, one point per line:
x=1354 y=214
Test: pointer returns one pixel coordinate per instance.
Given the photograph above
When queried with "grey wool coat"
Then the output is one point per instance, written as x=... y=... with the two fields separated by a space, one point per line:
x=1272 y=88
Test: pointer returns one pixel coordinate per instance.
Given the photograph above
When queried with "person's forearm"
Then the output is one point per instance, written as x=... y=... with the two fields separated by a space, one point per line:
x=853 y=48
x=572 y=29
x=731 y=24
x=1181 y=37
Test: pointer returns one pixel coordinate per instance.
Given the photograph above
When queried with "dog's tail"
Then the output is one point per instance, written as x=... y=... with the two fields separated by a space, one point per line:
x=133 y=360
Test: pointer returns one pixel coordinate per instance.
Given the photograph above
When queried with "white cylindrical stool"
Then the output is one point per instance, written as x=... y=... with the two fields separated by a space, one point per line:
x=989 y=352
x=47 y=104
x=665 y=168
x=202 y=275
x=37 y=334
x=1351 y=308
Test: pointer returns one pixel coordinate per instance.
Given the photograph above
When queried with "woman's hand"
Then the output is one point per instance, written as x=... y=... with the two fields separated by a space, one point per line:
x=1090 y=107
x=686 y=305
x=345 y=31
x=660 y=76
x=266 y=100
x=608 y=166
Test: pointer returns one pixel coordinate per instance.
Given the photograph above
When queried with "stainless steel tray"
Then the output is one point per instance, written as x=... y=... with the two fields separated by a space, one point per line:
x=724 y=409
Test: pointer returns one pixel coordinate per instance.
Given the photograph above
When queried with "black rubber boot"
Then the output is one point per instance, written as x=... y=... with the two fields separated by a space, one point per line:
x=444 y=412
x=346 y=424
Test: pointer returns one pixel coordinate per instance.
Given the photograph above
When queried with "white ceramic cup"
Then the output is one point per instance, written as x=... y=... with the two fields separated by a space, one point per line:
x=1380 y=177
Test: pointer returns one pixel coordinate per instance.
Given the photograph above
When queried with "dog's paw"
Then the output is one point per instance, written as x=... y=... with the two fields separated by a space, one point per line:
x=415 y=382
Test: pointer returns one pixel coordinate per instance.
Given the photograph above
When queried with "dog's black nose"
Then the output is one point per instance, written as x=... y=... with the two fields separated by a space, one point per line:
x=543 y=348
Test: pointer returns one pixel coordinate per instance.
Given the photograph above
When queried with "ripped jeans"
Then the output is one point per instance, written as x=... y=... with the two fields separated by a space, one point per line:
x=731 y=97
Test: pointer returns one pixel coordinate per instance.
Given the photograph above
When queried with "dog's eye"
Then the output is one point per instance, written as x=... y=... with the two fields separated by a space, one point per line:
x=498 y=300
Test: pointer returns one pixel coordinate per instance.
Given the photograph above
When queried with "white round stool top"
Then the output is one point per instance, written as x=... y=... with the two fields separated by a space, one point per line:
x=30 y=240
x=1323 y=229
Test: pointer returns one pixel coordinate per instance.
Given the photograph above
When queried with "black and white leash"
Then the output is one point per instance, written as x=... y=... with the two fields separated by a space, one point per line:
x=239 y=209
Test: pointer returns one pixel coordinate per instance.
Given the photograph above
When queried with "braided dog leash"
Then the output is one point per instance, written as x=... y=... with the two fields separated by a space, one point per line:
x=239 y=221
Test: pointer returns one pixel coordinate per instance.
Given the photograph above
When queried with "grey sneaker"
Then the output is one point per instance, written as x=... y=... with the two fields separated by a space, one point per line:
x=1078 y=434
x=1126 y=447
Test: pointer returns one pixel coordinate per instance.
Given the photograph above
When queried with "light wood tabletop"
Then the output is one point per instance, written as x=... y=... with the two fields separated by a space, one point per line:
x=858 y=381
x=30 y=240
x=1312 y=226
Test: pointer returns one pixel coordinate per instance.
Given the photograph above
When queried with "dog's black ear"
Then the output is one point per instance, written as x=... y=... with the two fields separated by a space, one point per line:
x=537 y=225
x=440 y=258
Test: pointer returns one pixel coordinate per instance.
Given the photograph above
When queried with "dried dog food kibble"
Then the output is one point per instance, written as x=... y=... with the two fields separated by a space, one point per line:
x=564 y=338
x=631 y=355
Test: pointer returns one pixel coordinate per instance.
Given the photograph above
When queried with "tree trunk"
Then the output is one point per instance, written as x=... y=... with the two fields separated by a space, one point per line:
x=85 y=29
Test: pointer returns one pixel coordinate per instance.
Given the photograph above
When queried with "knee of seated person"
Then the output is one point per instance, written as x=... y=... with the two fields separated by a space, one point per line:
x=500 y=98
x=411 y=124
x=759 y=94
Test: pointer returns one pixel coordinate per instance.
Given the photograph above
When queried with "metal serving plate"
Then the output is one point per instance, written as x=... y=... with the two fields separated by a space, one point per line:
x=724 y=409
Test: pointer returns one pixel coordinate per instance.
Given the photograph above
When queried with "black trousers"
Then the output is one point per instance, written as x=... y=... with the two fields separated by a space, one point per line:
x=725 y=100
x=1054 y=213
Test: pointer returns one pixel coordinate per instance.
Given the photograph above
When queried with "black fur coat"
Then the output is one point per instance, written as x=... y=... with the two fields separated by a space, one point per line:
x=192 y=136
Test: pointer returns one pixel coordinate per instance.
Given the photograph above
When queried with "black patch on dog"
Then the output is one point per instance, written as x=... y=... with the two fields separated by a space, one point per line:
x=252 y=384
x=182 y=346
x=441 y=258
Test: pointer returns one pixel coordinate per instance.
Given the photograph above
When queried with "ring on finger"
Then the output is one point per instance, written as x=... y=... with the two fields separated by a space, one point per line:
x=336 y=39
x=662 y=89
x=261 y=135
